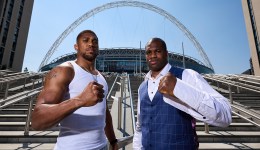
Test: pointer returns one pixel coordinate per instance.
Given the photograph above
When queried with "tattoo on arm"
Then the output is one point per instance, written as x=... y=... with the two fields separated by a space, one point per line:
x=52 y=74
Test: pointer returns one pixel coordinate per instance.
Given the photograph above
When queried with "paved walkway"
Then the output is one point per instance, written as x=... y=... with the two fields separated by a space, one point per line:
x=125 y=112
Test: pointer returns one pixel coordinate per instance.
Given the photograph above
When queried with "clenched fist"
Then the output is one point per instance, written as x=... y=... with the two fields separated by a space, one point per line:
x=91 y=95
x=167 y=84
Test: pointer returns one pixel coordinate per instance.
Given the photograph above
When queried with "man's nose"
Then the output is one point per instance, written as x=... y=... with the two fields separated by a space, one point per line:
x=90 y=44
x=153 y=54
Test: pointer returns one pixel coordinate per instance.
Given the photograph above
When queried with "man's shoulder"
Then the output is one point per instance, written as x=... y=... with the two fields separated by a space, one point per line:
x=143 y=83
x=65 y=67
x=64 y=70
x=177 y=71
x=191 y=72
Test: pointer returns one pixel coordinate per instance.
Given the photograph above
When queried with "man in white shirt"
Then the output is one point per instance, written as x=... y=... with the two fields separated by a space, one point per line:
x=74 y=96
x=169 y=99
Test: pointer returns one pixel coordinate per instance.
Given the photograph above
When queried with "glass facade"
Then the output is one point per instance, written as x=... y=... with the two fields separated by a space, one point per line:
x=128 y=60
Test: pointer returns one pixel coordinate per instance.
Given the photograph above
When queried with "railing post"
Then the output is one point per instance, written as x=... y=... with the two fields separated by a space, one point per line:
x=29 y=113
x=120 y=100
x=206 y=128
x=42 y=80
x=28 y=119
x=24 y=84
x=6 y=89
x=238 y=89
x=119 y=113
x=230 y=94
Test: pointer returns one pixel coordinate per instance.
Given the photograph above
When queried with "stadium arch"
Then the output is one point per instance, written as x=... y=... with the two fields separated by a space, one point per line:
x=124 y=3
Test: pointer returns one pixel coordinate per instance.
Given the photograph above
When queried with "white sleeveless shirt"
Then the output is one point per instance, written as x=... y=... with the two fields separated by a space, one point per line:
x=84 y=128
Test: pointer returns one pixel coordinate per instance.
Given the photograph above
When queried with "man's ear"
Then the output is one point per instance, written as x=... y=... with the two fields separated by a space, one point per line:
x=76 y=47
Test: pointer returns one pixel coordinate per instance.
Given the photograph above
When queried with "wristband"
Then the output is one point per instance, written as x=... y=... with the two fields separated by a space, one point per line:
x=113 y=142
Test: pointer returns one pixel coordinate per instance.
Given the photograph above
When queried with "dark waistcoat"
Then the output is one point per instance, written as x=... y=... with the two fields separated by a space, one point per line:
x=163 y=126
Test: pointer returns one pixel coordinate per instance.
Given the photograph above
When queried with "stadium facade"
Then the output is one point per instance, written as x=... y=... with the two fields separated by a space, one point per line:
x=131 y=60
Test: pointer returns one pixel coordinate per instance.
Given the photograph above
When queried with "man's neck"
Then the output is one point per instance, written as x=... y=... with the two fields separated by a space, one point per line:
x=154 y=74
x=87 y=66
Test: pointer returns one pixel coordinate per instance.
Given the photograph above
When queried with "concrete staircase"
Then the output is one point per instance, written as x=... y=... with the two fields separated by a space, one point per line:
x=241 y=134
x=13 y=119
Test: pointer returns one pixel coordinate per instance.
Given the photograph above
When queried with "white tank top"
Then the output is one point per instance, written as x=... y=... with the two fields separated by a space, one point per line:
x=84 y=128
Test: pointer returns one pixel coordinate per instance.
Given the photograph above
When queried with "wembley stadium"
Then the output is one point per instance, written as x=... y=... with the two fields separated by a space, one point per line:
x=130 y=60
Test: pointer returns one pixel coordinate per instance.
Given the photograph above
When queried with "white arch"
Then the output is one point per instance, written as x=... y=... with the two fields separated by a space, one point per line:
x=123 y=4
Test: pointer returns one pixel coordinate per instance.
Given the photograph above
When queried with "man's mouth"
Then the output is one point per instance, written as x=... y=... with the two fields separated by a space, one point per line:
x=152 y=62
x=90 y=50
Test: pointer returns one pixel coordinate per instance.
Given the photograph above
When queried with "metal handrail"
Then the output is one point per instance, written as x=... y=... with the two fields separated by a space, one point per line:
x=112 y=87
x=22 y=76
x=126 y=139
x=131 y=103
x=29 y=113
x=239 y=111
x=122 y=142
x=231 y=84
x=246 y=115
x=9 y=101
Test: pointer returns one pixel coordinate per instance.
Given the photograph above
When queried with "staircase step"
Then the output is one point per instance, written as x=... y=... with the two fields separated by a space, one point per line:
x=21 y=105
x=212 y=137
x=228 y=146
x=27 y=146
x=14 y=111
x=229 y=136
x=16 y=126
x=33 y=137
x=13 y=118
x=200 y=126
x=203 y=146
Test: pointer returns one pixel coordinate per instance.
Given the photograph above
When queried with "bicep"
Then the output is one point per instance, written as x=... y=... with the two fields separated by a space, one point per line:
x=55 y=87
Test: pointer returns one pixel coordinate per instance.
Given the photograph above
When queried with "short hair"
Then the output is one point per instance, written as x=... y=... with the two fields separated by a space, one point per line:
x=83 y=32
x=157 y=39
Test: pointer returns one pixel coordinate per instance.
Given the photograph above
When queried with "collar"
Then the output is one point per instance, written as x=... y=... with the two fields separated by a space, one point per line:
x=164 y=71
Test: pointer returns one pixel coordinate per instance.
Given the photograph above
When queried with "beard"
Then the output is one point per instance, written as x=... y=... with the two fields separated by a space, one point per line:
x=90 y=57
x=158 y=66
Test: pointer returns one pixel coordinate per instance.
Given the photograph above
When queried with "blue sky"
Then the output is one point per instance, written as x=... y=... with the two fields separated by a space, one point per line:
x=218 y=25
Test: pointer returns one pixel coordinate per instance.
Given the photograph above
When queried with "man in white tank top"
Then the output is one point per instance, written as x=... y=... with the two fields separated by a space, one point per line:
x=74 y=95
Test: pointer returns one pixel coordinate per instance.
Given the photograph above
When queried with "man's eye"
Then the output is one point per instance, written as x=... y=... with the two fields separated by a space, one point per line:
x=95 y=42
x=148 y=53
x=158 y=51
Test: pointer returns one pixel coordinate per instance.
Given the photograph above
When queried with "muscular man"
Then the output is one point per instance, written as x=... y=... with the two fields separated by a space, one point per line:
x=74 y=97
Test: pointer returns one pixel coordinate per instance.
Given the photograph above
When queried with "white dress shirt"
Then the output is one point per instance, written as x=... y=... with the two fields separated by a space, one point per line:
x=202 y=101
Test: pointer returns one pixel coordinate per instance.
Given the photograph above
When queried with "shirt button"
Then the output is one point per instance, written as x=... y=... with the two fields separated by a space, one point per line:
x=153 y=82
x=204 y=117
x=152 y=92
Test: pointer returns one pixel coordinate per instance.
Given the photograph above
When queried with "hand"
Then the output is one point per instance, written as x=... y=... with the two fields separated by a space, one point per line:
x=114 y=147
x=167 y=84
x=91 y=95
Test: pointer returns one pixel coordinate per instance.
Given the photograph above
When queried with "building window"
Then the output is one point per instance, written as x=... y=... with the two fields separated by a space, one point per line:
x=3 y=40
x=23 y=2
x=1 y=54
x=11 y=60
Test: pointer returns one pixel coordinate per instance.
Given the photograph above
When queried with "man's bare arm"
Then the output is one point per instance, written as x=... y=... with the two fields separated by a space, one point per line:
x=50 y=109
